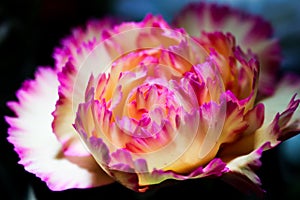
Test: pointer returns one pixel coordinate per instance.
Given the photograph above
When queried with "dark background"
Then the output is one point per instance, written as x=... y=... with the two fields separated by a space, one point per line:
x=29 y=30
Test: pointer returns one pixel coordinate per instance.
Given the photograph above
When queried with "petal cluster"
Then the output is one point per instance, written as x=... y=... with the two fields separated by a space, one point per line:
x=143 y=102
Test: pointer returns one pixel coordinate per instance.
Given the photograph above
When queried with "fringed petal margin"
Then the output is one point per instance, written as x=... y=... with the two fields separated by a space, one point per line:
x=241 y=173
x=69 y=59
x=72 y=45
x=251 y=33
x=30 y=130
x=277 y=127
x=215 y=167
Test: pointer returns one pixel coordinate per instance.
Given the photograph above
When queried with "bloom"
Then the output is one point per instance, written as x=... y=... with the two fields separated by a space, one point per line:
x=143 y=102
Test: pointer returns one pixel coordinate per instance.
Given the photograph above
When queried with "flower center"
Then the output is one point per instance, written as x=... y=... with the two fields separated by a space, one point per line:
x=147 y=98
x=147 y=108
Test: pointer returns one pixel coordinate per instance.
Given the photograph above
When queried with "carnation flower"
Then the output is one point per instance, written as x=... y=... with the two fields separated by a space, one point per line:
x=144 y=102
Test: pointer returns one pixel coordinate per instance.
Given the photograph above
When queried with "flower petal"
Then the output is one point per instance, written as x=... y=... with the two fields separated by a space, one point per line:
x=277 y=127
x=238 y=71
x=218 y=124
x=282 y=115
x=31 y=130
x=244 y=144
x=118 y=164
x=69 y=60
x=251 y=32
x=241 y=172
x=72 y=45
x=280 y=121
x=214 y=168
x=63 y=114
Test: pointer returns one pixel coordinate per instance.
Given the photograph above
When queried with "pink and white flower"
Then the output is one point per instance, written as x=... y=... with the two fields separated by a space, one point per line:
x=143 y=102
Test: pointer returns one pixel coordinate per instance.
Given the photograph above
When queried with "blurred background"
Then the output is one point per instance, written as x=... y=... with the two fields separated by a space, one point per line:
x=29 y=30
